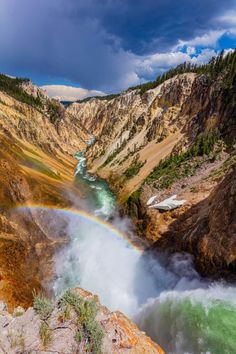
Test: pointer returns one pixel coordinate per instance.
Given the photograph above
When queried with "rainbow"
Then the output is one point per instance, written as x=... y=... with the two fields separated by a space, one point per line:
x=84 y=215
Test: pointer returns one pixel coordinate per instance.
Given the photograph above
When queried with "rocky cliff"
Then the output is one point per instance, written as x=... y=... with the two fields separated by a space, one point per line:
x=36 y=166
x=77 y=323
x=172 y=136
x=207 y=230
x=38 y=139
x=135 y=130
x=36 y=126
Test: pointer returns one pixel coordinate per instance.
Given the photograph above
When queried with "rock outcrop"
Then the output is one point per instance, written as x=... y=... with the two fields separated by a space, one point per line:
x=36 y=166
x=207 y=230
x=65 y=136
x=31 y=331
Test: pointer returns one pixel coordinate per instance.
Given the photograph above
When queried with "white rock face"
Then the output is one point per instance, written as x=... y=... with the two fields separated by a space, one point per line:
x=34 y=90
x=168 y=204
x=151 y=200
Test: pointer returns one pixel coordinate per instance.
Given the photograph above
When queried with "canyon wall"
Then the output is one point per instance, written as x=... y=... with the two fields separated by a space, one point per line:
x=177 y=138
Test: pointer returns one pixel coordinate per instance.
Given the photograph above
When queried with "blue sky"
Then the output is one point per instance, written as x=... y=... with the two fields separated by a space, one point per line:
x=109 y=45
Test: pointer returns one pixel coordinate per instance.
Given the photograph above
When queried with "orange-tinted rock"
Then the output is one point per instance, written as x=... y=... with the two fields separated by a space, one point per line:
x=22 y=328
x=208 y=231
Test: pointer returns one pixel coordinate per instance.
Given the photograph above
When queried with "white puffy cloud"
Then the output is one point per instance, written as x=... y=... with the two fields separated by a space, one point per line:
x=204 y=56
x=149 y=66
x=144 y=68
x=152 y=65
x=70 y=93
x=209 y=39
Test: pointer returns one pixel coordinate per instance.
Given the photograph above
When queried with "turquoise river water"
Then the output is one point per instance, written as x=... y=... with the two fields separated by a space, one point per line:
x=172 y=304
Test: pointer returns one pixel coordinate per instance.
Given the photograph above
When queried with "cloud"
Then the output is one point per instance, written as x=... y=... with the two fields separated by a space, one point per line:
x=49 y=40
x=208 y=39
x=149 y=66
x=106 y=45
x=69 y=93
x=153 y=65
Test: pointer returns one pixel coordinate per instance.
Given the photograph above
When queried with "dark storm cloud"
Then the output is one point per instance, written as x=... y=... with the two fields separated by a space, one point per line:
x=45 y=37
x=95 y=42
x=155 y=25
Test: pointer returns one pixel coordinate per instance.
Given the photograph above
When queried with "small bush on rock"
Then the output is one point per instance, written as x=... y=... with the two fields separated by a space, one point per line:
x=45 y=333
x=42 y=306
x=89 y=329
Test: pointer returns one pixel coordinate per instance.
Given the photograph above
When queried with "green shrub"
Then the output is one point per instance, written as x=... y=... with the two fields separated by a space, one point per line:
x=78 y=336
x=115 y=153
x=42 y=306
x=101 y=98
x=12 y=86
x=95 y=336
x=88 y=327
x=185 y=164
x=133 y=169
x=55 y=111
x=45 y=333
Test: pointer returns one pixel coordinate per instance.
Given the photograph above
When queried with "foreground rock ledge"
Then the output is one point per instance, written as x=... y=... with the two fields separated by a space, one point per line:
x=20 y=332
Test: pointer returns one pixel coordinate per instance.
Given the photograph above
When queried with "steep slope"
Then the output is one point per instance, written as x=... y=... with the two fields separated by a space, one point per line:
x=35 y=126
x=35 y=166
x=27 y=175
x=207 y=230
x=135 y=129
x=143 y=125
x=38 y=139
x=175 y=135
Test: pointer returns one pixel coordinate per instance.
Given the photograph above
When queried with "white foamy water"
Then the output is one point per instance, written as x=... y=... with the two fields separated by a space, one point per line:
x=170 y=302
x=105 y=264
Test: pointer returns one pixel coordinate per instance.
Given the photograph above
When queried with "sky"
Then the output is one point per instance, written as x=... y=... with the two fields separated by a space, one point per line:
x=104 y=46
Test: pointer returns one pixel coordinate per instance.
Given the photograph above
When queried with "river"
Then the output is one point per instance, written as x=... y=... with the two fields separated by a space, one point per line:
x=171 y=303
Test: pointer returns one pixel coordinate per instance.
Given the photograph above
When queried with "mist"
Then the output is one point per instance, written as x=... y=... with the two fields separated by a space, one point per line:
x=168 y=300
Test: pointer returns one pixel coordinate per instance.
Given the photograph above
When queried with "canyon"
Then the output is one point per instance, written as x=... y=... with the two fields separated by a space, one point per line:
x=177 y=137
x=138 y=131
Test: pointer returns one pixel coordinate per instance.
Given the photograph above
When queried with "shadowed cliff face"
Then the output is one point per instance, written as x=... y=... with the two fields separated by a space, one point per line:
x=208 y=231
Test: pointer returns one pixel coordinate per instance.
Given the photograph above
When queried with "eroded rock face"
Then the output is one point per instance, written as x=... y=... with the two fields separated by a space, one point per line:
x=208 y=231
x=133 y=127
x=146 y=128
x=29 y=176
x=134 y=132
x=66 y=136
x=21 y=332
